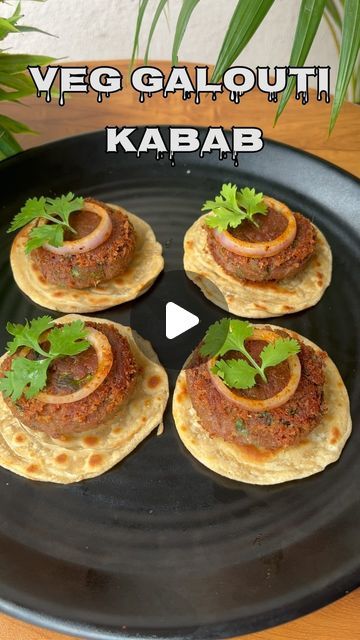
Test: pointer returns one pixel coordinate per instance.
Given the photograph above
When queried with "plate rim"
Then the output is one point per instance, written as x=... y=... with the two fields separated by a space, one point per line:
x=331 y=593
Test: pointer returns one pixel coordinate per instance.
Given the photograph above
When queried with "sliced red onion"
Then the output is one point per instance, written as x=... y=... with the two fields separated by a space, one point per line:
x=93 y=240
x=104 y=354
x=253 y=404
x=261 y=249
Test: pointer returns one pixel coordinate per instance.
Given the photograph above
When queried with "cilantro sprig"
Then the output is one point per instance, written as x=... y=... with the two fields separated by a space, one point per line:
x=230 y=335
x=55 y=210
x=27 y=376
x=231 y=207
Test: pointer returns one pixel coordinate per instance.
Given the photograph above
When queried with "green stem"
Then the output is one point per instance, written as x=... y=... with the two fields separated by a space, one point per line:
x=61 y=222
x=254 y=364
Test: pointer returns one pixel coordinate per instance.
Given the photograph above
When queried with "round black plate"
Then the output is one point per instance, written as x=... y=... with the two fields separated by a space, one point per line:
x=159 y=546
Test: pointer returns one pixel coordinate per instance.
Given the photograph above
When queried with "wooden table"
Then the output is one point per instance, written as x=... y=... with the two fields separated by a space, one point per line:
x=303 y=127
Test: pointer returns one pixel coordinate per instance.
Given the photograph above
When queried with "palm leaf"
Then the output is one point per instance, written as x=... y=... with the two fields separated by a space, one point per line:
x=350 y=44
x=142 y=7
x=6 y=27
x=310 y=14
x=332 y=27
x=18 y=81
x=14 y=126
x=186 y=10
x=26 y=29
x=333 y=11
x=15 y=62
x=16 y=15
x=246 y=19
x=8 y=145
x=160 y=8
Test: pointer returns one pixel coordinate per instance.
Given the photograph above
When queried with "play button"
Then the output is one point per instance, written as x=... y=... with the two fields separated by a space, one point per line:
x=178 y=320
x=174 y=316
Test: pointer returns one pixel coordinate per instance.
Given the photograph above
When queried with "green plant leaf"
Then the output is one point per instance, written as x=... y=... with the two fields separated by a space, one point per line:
x=333 y=11
x=6 y=27
x=215 y=337
x=15 y=62
x=237 y=374
x=16 y=15
x=186 y=10
x=8 y=145
x=14 y=126
x=160 y=8
x=25 y=29
x=246 y=19
x=18 y=81
x=310 y=14
x=333 y=30
x=142 y=8
x=350 y=44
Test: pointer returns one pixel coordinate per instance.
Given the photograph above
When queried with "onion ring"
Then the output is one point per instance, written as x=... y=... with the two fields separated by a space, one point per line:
x=252 y=404
x=89 y=242
x=105 y=359
x=261 y=249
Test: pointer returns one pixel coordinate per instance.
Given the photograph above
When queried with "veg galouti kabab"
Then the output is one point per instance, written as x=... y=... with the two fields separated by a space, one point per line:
x=261 y=404
x=263 y=258
x=79 y=254
x=77 y=395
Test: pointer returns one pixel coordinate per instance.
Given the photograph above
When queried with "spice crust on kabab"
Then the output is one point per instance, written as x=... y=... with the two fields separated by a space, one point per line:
x=80 y=254
x=77 y=395
x=264 y=259
x=261 y=404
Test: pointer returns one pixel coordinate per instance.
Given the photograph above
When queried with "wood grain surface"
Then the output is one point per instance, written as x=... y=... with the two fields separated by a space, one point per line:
x=305 y=127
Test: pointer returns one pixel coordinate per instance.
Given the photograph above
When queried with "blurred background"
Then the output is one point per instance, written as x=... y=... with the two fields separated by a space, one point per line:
x=103 y=29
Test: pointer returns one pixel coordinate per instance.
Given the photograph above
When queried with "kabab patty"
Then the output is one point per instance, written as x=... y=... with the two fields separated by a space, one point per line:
x=83 y=270
x=284 y=426
x=66 y=375
x=285 y=264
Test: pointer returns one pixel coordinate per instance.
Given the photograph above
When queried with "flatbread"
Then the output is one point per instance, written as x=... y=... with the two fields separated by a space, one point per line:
x=144 y=268
x=255 y=299
x=249 y=464
x=33 y=454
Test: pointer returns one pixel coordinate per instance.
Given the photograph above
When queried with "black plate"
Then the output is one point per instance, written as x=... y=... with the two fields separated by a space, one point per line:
x=159 y=546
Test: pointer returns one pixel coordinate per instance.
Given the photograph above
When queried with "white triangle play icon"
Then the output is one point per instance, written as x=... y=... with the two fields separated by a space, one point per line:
x=178 y=320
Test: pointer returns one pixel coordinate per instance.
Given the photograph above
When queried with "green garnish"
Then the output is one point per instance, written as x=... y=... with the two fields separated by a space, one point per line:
x=266 y=417
x=230 y=335
x=27 y=376
x=240 y=426
x=56 y=210
x=231 y=207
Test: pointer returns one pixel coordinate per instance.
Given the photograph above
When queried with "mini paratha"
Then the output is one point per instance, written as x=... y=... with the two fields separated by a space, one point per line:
x=35 y=455
x=255 y=299
x=143 y=270
x=247 y=463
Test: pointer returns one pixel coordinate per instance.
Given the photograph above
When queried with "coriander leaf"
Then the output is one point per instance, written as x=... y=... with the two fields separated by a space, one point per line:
x=32 y=209
x=215 y=338
x=239 y=331
x=26 y=376
x=35 y=372
x=237 y=374
x=278 y=351
x=222 y=218
x=68 y=340
x=48 y=233
x=231 y=207
x=64 y=206
x=230 y=334
x=251 y=202
x=28 y=335
x=225 y=210
x=55 y=210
